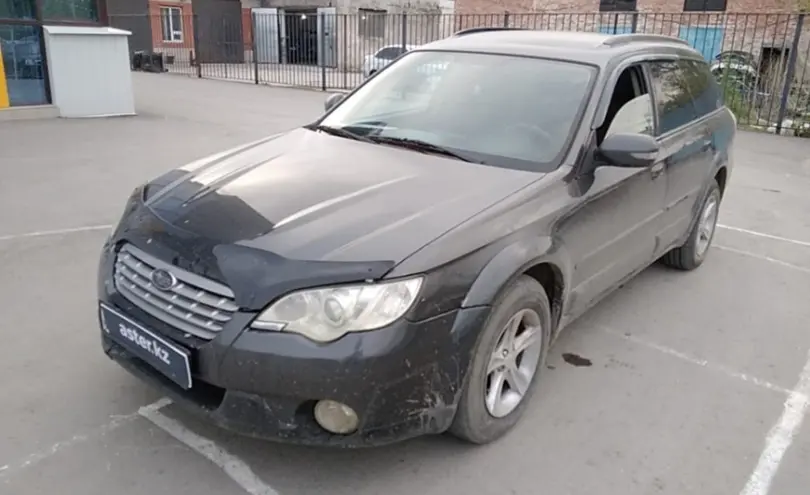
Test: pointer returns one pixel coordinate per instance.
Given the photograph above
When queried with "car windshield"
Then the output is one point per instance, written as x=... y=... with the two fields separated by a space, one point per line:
x=507 y=111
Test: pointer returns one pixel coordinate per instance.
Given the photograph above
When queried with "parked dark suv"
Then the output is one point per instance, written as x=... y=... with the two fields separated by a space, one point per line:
x=401 y=266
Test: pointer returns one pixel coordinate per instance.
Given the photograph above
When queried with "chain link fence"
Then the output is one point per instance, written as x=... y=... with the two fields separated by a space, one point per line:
x=760 y=60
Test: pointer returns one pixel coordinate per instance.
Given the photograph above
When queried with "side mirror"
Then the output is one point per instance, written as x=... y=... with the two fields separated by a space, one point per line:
x=629 y=150
x=332 y=100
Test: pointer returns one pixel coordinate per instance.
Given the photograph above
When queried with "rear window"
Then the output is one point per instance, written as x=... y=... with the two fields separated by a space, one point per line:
x=390 y=52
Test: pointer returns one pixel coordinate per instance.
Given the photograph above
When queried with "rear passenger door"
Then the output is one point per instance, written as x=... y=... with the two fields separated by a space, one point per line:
x=685 y=138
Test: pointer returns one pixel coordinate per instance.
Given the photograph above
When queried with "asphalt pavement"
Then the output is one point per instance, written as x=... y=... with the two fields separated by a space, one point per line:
x=679 y=383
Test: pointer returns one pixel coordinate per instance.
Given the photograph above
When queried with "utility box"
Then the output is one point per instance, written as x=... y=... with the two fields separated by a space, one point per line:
x=89 y=71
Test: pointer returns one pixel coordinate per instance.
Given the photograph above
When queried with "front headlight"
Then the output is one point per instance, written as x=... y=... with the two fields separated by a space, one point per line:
x=327 y=314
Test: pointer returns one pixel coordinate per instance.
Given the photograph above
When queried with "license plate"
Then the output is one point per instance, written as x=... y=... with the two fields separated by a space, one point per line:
x=169 y=359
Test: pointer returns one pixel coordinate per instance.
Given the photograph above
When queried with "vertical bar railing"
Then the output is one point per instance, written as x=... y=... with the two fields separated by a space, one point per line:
x=345 y=50
x=790 y=72
x=404 y=30
x=321 y=48
x=286 y=49
x=254 y=47
x=197 y=51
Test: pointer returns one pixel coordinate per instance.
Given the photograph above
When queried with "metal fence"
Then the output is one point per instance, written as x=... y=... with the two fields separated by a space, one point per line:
x=761 y=60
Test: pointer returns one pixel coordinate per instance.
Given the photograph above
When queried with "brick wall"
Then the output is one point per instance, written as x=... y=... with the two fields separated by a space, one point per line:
x=181 y=50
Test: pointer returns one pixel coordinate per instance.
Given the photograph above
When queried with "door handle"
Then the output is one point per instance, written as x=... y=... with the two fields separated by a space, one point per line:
x=707 y=145
x=657 y=169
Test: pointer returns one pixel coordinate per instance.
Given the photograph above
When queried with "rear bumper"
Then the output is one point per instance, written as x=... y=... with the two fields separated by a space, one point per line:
x=403 y=380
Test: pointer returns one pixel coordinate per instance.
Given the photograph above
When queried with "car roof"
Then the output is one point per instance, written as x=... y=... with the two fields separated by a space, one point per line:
x=585 y=47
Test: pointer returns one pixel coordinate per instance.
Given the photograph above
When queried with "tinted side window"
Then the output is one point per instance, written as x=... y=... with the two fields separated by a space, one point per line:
x=701 y=85
x=388 y=53
x=672 y=97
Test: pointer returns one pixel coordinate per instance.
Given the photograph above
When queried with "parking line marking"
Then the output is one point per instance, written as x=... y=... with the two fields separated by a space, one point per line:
x=233 y=466
x=43 y=233
x=767 y=236
x=697 y=361
x=781 y=436
x=763 y=258
x=35 y=458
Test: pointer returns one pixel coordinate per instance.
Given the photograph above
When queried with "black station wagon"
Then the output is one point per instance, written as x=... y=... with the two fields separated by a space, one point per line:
x=401 y=265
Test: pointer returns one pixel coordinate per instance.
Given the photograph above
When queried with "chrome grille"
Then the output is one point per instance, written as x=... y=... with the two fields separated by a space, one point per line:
x=194 y=304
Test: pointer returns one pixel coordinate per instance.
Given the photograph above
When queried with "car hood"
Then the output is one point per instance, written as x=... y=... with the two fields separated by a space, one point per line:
x=306 y=195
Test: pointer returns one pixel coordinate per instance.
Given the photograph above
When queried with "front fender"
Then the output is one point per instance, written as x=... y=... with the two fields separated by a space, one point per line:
x=512 y=262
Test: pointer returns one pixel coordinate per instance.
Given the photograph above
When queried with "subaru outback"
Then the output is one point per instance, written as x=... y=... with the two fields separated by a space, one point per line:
x=401 y=265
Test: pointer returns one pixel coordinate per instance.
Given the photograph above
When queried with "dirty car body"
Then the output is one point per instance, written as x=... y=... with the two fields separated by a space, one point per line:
x=363 y=261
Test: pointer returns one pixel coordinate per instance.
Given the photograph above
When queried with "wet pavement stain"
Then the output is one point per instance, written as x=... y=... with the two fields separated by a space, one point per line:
x=576 y=359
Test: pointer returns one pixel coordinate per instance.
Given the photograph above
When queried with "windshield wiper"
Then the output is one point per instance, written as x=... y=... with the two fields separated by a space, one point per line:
x=419 y=145
x=340 y=132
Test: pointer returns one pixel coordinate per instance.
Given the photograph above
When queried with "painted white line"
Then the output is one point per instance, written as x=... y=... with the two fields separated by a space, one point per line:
x=781 y=436
x=40 y=456
x=763 y=258
x=43 y=233
x=697 y=361
x=766 y=236
x=234 y=467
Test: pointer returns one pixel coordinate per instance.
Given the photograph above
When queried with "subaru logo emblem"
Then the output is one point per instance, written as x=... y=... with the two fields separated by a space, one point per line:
x=163 y=279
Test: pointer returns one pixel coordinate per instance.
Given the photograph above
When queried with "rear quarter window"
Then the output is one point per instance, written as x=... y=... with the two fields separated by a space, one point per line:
x=673 y=98
x=389 y=53
x=701 y=86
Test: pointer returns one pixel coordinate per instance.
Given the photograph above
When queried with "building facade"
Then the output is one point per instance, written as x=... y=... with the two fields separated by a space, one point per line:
x=23 y=63
x=305 y=32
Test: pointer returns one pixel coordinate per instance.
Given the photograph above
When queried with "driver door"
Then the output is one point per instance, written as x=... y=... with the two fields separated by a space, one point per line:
x=615 y=231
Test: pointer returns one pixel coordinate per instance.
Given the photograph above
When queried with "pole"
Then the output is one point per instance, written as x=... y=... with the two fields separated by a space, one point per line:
x=322 y=48
x=254 y=47
x=791 y=71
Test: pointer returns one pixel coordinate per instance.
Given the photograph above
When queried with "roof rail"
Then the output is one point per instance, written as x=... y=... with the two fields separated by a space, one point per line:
x=475 y=30
x=623 y=39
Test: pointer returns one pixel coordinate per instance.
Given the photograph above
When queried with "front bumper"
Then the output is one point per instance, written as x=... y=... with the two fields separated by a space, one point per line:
x=403 y=380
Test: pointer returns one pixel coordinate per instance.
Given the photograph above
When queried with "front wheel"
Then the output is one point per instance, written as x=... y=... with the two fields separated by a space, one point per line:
x=510 y=352
x=694 y=251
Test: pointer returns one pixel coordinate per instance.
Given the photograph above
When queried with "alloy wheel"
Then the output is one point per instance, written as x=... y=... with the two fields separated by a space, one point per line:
x=513 y=363
x=706 y=226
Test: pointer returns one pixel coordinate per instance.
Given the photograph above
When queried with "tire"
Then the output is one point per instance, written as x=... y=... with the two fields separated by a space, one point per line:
x=693 y=252
x=475 y=422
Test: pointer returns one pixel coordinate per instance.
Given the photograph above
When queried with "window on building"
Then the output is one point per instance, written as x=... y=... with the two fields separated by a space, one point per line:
x=617 y=5
x=70 y=10
x=704 y=5
x=16 y=9
x=23 y=66
x=171 y=21
x=371 y=23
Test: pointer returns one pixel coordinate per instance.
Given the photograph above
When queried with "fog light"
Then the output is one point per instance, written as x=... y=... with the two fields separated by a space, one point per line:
x=335 y=417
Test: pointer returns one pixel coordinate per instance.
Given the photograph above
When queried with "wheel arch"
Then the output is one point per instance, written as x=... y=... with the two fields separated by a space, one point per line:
x=538 y=258
x=721 y=176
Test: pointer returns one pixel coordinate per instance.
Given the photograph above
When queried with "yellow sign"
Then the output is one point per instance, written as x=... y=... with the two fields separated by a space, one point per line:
x=4 y=103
